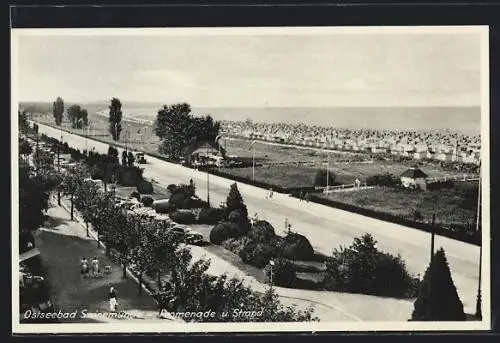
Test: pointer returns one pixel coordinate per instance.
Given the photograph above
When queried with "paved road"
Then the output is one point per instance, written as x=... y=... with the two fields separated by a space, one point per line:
x=326 y=227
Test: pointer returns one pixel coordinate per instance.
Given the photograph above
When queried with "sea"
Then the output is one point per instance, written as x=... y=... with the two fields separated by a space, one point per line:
x=466 y=120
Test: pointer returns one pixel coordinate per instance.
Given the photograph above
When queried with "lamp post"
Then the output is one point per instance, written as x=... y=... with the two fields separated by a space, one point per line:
x=253 y=160
x=271 y=264
x=208 y=187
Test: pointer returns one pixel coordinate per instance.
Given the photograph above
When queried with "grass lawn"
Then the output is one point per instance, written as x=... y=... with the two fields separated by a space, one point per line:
x=456 y=205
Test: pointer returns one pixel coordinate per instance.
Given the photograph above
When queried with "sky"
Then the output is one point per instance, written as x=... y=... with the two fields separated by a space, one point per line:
x=280 y=70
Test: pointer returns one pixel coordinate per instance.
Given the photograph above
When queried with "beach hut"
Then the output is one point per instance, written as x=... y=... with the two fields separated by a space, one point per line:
x=414 y=178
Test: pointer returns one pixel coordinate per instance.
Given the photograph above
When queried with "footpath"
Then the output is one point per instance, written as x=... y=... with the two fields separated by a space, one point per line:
x=328 y=306
x=62 y=244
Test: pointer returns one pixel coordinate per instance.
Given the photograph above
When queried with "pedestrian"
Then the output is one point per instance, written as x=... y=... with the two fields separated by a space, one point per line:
x=95 y=267
x=301 y=197
x=270 y=193
x=84 y=267
x=113 y=301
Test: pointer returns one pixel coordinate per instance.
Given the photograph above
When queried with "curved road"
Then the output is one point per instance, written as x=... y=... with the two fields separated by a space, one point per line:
x=325 y=227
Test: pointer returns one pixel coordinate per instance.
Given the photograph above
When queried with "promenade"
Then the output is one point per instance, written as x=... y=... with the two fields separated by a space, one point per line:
x=325 y=227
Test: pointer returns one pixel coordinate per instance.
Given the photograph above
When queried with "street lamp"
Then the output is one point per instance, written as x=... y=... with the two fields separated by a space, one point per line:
x=253 y=159
x=271 y=264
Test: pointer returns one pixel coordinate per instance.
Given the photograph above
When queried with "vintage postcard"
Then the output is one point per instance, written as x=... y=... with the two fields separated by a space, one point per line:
x=250 y=179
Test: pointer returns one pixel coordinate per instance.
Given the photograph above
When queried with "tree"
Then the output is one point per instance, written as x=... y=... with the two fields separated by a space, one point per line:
x=25 y=147
x=72 y=180
x=22 y=121
x=321 y=176
x=234 y=202
x=58 y=110
x=177 y=129
x=115 y=118
x=86 y=201
x=131 y=159
x=77 y=116
x=124 y=158
x=33 y=199
x=438 y=298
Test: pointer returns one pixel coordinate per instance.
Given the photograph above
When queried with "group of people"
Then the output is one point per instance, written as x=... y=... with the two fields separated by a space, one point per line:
x=85 y=269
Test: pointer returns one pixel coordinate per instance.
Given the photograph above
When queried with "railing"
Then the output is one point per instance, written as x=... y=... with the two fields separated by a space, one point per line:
x=445 y=178
x=339 y=187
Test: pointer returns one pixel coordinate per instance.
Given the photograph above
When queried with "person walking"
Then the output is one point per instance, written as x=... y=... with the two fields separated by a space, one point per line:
x=113 y=300
x=95 y=267
x=84 y=267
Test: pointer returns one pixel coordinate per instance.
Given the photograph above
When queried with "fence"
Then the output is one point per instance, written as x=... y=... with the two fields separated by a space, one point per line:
x=445 y=178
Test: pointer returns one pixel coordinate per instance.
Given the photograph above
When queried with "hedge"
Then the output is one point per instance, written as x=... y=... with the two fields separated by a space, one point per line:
x=163 y=207
x=224 y=231
x=261 y=231
x=183 y=217
x=147 y=200
x=258 y=254
x=145 y=187
x=297 y=247
x=210 y=216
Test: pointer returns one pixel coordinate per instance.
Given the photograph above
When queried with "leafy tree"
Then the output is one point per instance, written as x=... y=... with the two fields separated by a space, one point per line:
x=112 y=155
x=25 y=147
x=321 y=176
x=86 y=201
x=438 y=298
x=74 y=114
x=43 y=159
x=22 y=121
x=33 y=199
x=177 y=129
x=130 y=159
x=282 y=273
x=72 y=180
x=58 y=110
x=115 y=118
x=124 y=158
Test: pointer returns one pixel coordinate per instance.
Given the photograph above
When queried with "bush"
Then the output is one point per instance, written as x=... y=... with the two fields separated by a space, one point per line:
x=164 y=207
x=171 y=188
x=210 y=216
x=386 y=179
x=177 y=199
x=135 y=194
x=258 y=254
x=297 y=247
x=235 y=245
x=239 y=219
x=190 y=202
x=283 y=273
x=132 y=176
x=147 y=200
x=186 y=190
x=438 y=299
x=183 y=217
x=361 y=268
x=261 y=231
x=224 y=231
x=145 y=187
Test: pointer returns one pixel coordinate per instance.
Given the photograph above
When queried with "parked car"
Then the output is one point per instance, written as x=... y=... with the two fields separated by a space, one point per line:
x=188 y=235
x=140 y=158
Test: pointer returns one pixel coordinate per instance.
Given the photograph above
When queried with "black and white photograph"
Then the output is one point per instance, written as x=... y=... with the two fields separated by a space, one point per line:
x=250 y=179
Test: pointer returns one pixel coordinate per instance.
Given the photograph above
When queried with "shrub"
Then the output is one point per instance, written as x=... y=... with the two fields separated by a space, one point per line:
x=177 y=199
x=239 y=219
x=183 y=217
x=132 y=176
x=297 y=247
x=186 y=190
x=194 y=203
x=361 y=268
x=258 y=254
x=210 y=216
x=283 y=273
x=147 y=200
x=235 y=245
x=135 y=194
x=386 y=179
x=234 y=201
x=171 y=188
x=224 y=231
x=261 y=231
x=145 y=187
x=438 y=299
x=164 y=207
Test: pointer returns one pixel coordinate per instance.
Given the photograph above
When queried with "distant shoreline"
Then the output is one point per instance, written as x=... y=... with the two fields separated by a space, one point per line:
x=147 y=113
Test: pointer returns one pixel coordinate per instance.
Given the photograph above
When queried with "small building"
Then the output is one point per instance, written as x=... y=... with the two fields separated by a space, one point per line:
x=414 y=178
